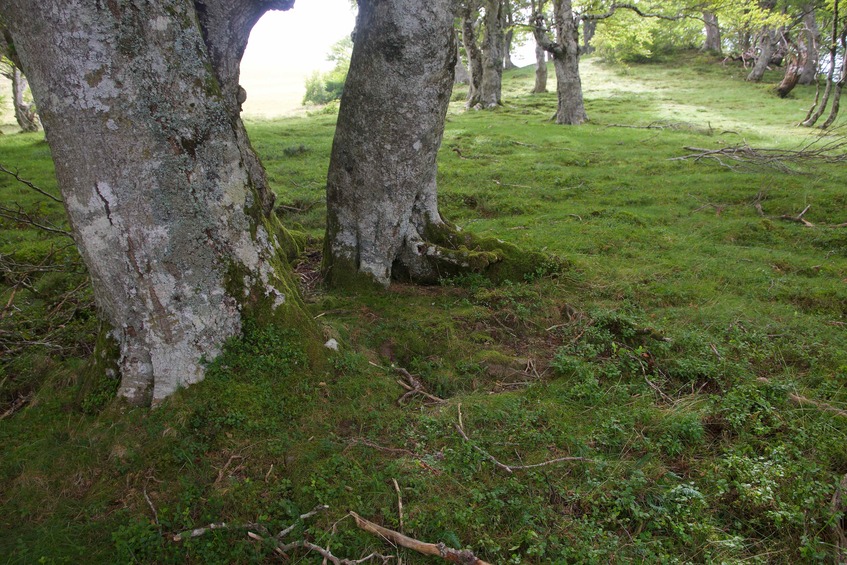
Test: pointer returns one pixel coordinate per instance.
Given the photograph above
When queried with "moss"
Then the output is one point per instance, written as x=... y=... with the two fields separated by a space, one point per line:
x=101 y=376
x=344 y=274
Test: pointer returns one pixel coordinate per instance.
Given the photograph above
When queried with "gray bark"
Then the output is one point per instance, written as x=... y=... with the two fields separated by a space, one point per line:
x=159 y=185
x=589 y=27
x=469 y=16
x=508 y=36
x=540 y=70
x=462 y=75
x=492 y=55
x=712 y=42
x=767 y=48
x=24 y=113
x=811 y=37
x=381 y=185
x=565 y=52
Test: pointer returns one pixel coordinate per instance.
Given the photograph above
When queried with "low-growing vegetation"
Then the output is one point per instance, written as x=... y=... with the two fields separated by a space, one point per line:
x=676 y=394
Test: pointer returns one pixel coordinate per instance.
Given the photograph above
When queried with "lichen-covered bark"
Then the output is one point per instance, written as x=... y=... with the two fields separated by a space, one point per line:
x=767 y=48
x=157 y=182
x=24 y=112
x=565 y=52
x=381 y=186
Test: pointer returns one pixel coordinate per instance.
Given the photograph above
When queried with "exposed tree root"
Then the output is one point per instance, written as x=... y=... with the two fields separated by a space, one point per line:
x=414 y=387
x=464 y=557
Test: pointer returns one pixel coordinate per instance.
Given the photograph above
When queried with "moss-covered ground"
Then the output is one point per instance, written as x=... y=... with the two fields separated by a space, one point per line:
x=671 y=355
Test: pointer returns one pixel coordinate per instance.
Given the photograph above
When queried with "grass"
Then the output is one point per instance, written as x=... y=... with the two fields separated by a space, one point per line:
x=667 y=355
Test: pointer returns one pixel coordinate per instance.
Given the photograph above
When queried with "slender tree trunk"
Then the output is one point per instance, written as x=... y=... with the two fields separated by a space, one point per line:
x=469 y=39
x=540 y=54
x=796 y=60
x=839 y=86
x=492 y=55
x=811 y=38
x=712 y=43
x=160 y=187
x=381 y=186
x=565 y=51
x=24 y=113
x=767 y=48
x=820 y=104
x=462 y=76
x=508 y=36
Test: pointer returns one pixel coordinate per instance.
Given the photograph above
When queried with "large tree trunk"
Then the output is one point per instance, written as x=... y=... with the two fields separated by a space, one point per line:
x=381 y=187
x=160 y=185
x=565 y=51
x=382 y=209
x=811 y=37
x=712 y=43
x=492 y=55
x=469 y=16
x=24 y=113
x=767 y=48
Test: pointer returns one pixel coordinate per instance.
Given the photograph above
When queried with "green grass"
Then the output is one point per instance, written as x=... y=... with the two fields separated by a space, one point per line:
x=667 y=355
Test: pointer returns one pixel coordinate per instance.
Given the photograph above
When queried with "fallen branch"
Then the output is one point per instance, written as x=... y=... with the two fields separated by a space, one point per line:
x=799 y=218
x=744 y=156
x=197 y=532
x=464 y=557
x=399 y=501
x=512 y=468
x=413 y=387
x=19 y=403
x=325 y=553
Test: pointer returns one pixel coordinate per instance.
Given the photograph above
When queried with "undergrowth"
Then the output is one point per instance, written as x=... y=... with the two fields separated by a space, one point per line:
x=668 y=359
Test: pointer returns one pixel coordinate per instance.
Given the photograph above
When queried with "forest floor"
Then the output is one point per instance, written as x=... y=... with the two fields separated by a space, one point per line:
x=690 y=363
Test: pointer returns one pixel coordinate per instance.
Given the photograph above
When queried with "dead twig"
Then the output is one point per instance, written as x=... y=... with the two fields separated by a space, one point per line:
x=512 y=468
x=316 y=510
x=806 y=401
x=465 y=557
x=19 y=403
x=225 y=467
x=29 y=184
x=369 y=443
x=325 y=553
x=414 y=387
x=799 y=218
x=399 y=501
x=197 y=532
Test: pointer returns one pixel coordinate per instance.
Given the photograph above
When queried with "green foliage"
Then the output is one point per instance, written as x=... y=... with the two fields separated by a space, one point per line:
x=322 y=88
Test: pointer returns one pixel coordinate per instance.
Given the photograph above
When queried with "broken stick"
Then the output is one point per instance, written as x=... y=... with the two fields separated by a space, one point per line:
x=463 y=557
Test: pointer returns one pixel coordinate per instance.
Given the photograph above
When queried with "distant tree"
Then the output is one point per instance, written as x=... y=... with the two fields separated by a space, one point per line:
x=712 y=42
x=565 y=50
x=492 y=54
x=540 y=54
x=469 y=17
x=25 y=113
x=836 y=76
x=168 y=202
x=326 y=87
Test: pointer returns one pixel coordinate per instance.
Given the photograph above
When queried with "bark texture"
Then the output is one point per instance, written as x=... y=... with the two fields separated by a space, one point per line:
x=160 y=187
x=565 y=52
x=24 y=113
x=382 y=211
x=469 y=15
x=810 y=36
x=712 y=43
x=381 y=186
x=540 y=55
x=492 y=55
x=766 y=49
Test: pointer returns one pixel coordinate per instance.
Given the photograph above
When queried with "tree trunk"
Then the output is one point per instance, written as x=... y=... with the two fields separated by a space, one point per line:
x=508 y=36
x=811 y=37
x=540 y=54
x=24 y=113
x=382 y=210
x=589 y=28
x=381 y=187
x=565 y=51
x=540 y=70
x=767 y=47
x=712 y=43
x=820 y=104
x=793 y=70
x=160 y=186
x=469 y=39
x=492 y=55
x=461 y=74
x=839 y=86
